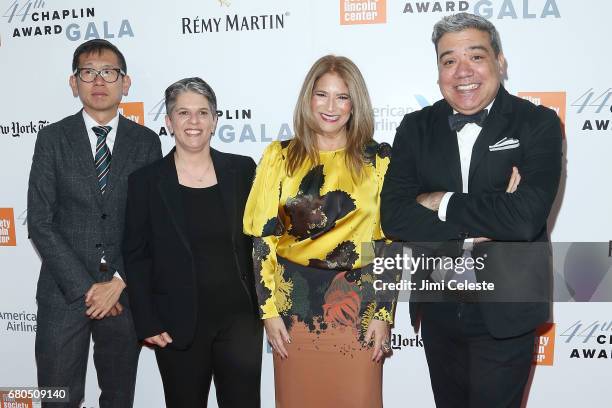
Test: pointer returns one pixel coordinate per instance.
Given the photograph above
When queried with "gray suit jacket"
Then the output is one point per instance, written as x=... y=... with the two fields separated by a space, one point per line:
x=70 y=223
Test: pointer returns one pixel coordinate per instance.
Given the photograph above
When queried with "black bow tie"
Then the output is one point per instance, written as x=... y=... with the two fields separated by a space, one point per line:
x=459 y=120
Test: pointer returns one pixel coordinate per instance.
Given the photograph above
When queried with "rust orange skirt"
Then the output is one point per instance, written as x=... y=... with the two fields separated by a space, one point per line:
x=330 y=369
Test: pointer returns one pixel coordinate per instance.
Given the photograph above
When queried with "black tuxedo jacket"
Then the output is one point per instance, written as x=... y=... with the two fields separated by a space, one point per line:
x=425 y=158
x=161 y=279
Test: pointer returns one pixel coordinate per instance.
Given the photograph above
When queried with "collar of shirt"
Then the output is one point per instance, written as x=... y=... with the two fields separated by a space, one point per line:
x=110 y=139
x=474 y=125
x=466 y=137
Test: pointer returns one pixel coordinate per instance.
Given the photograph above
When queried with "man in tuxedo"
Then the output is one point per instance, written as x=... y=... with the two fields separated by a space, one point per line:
x=76 y=204
x=447 y=188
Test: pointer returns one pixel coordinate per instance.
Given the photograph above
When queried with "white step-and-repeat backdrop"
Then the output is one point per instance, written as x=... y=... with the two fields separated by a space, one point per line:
x=255 y=55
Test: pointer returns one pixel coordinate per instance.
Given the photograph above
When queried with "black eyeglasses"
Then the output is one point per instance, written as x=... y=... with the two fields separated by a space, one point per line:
x=109 y=75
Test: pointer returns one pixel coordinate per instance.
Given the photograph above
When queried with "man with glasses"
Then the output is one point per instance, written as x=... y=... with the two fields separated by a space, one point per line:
x=76 y=203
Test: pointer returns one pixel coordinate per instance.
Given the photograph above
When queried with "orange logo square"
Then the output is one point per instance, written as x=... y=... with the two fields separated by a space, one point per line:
x=7 y=401
x=552 y=100
x=7 y=227
x=133 y=111
x=544 y=347
x=363 y=12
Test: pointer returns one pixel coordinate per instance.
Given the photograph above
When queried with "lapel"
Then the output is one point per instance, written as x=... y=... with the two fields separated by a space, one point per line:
x=122 y=151
x=492 y=129
x=446 y=143
x=226 y=178
x=170 y=192
x=78 y=138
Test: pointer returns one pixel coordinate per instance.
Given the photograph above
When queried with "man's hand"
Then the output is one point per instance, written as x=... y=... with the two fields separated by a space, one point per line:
x=161 y=340
x=515 y=180
x=431 y=200
x=116 y=310
x=102 y=297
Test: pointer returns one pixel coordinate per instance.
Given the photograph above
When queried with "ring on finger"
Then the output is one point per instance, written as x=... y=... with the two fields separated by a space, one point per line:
x=386 y=347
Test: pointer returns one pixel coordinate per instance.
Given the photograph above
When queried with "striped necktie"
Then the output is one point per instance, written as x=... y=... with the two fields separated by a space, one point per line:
x=102 y=158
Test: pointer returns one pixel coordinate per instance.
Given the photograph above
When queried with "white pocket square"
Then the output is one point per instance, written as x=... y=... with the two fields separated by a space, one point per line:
x=505 y=144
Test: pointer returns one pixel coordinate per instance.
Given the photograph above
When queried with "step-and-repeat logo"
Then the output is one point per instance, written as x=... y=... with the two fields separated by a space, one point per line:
x=22 y=128
x=38 y=18
x=22 y=218
x=544 y=348
x=515 y=9
x=590 y=339
x=553 y=100
x=400 y=341
x=18 y=322
x=237 y=125
x=593 y=108
x=7 y=227
x=419 y=7
x=387 y=118
x=133 y=111
x=263 y=21
x=363 y=12
x=489 y=9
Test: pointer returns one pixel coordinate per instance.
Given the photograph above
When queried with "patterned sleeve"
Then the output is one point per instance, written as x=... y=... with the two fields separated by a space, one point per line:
x=383 y=158
x=262 y=222
x=385 y=300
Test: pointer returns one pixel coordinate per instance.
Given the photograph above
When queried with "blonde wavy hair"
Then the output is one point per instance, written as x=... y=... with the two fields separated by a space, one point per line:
x=359 y=128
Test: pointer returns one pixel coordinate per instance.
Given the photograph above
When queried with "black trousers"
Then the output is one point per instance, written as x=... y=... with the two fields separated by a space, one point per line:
x=226 y=349
x=62 y=350
x=468 y=367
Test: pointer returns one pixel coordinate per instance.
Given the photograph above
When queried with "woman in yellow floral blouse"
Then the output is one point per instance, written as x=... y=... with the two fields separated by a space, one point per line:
x=313 y=207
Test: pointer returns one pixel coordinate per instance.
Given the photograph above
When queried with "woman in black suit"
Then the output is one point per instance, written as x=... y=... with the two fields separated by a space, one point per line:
x=188 y=264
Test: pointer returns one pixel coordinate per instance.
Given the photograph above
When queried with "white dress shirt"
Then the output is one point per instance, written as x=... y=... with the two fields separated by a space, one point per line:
x=466 y=138
x=110 y=138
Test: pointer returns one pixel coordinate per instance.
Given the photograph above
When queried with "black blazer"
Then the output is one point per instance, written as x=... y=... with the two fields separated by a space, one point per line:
x=426 y=158
x=161 y=278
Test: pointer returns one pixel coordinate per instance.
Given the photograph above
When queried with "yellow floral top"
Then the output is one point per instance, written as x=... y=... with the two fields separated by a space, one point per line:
x=320 y=217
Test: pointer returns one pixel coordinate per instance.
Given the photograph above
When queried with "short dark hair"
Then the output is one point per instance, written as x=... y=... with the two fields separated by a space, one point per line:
x=463 y=21
x=97 y=46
